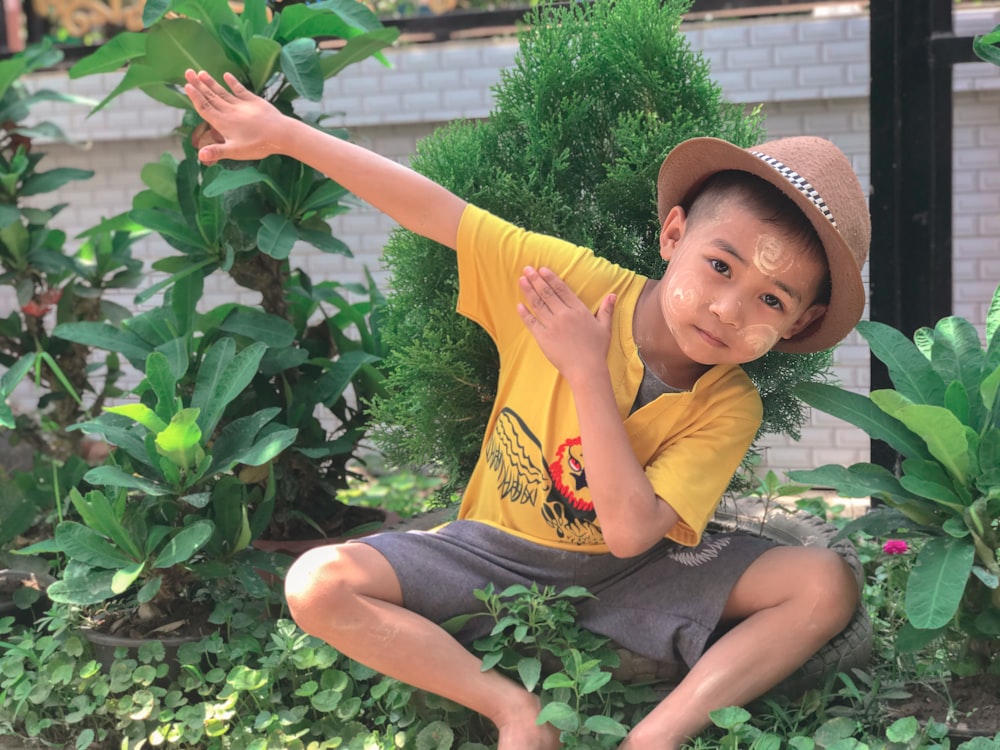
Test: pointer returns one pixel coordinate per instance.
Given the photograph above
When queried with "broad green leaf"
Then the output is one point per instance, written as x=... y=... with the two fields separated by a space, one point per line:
x=163 y=381
x=277 y=236
x=357 y=49
x=213 y=14
x=254 y=17
x=862 y=412
x=141 y=414
x=529 y=669
x=107 y=337
x=956 y=400
x=332 y=384
x=116 y=431
x=993 y=316
x=324 y=242
x=98 y=514
x=114 y=54
x=8 y=215
x=153 y=11
x=91 y=588
x=911 y=373
x=591 y=682
x=559 y=715
x=268 y=447
x=161 y=178
x=184 y=544
x=859 y=480
x=435 y=736
x=356 y=15
x=936 y=583
x=264 y=55
x=46 y=182
x=112 y=476
x=729 y=717
x=300 y=65
x=309 y=22
x=944 y=434
x=238 y=437
x=15 y=374
x=177 y=44
x=984 y=47
x=957 y=355
x=939 y=493
x=227 y=180
x=600 y=724
x=125 y=577
x=258 y=325
x=221 y=378
x=190 y=269
x=87 y=546
x=138 y=75
x=180 y=441
x=170 y=225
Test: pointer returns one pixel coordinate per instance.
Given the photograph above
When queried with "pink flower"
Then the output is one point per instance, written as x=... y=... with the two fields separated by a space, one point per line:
x=895 y=547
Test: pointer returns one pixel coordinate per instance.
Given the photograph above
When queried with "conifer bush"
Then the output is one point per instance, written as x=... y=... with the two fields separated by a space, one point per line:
x=598 y=94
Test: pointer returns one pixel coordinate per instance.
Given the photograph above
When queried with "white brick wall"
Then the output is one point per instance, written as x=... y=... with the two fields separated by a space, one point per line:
x=810 y=74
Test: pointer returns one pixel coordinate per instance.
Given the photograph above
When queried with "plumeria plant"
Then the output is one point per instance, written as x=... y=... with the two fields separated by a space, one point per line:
x=943 y=419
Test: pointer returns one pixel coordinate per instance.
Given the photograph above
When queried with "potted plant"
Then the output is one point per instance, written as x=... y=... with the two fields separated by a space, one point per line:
x=943 y=419
x=168 y=514
x=321 y=367
x=47 y=281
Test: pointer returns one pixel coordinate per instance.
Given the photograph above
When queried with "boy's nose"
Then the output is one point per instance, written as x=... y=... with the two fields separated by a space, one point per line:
x=728 y=309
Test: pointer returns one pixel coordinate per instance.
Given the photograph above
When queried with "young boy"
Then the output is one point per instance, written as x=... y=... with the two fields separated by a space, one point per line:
x=621 y=414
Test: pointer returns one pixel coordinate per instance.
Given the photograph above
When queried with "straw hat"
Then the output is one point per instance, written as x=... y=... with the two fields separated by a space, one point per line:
x=819 y=179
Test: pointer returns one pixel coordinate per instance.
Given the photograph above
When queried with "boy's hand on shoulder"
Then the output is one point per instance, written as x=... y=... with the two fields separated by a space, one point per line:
x=240 y=121
x=573 y=338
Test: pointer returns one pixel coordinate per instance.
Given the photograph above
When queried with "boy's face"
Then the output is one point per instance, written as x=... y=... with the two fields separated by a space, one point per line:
x=735 y=285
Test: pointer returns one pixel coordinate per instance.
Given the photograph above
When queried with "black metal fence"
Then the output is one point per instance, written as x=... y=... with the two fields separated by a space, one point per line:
x=423 y=27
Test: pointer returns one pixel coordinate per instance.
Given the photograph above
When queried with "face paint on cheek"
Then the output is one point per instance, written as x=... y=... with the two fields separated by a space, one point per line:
x=759 y=338
x=771 y=257
x=683 y=292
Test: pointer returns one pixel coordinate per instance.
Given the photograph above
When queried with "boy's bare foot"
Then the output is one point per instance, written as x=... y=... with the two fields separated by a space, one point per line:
x=518 y=730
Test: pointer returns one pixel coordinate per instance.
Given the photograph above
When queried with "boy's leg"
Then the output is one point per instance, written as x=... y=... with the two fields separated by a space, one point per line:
x=787 y=604
x=349 y=596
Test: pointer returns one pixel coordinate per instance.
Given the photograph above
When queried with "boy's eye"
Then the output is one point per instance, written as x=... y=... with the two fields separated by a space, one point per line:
x=771 y=301
x=720 y=266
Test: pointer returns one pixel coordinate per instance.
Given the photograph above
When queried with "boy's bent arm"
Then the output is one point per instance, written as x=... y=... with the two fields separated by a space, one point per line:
x=252 y=128
x=632 y=517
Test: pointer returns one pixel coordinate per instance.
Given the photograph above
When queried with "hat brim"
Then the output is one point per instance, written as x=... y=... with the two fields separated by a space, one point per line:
x=689 y=164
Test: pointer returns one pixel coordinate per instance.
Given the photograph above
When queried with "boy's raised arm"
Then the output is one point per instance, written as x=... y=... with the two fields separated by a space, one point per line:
x=252 y=128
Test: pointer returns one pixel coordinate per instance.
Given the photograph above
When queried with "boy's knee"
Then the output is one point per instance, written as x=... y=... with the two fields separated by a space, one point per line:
x=316 y=587
x=834 y=591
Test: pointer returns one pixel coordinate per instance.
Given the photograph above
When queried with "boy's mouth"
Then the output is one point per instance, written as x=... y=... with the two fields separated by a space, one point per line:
x=709 y=338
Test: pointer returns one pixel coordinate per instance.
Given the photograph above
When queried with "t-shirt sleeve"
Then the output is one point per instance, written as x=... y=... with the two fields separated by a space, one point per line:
x=492 y=254
x=693 y=471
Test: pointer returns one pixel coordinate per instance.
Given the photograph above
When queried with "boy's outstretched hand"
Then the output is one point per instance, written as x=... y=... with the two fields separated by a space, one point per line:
x=573 y=338
x=245 y=126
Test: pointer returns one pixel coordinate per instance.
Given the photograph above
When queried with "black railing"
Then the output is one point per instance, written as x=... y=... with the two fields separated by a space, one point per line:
x=426 y=26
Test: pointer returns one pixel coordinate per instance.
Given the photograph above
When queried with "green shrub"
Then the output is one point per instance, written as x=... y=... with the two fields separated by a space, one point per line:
x=598 y=94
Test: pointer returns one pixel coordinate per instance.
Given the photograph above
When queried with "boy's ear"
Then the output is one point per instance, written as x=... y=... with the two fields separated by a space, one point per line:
x=672 y=231
x=806 y=319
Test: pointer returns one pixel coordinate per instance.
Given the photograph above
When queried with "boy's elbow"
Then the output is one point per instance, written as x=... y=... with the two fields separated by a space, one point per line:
x=627 y=545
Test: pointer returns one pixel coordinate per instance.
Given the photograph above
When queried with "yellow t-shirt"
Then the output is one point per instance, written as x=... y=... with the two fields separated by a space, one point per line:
x=530 y=479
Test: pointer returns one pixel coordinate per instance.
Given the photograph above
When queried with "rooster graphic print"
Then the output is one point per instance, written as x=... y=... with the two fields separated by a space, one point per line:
x=556 y=486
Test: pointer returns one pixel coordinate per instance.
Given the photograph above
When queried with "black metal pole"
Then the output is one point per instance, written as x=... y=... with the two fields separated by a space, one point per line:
x=911 y=163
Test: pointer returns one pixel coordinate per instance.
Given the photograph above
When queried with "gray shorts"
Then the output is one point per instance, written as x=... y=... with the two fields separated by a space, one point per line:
x=664 y=604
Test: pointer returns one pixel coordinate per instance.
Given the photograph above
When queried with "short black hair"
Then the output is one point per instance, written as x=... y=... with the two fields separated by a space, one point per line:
x=768 y=204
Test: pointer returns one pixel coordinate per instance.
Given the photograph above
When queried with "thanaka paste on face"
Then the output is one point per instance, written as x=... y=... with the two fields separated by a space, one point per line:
x=759 y=338
x=771 y=256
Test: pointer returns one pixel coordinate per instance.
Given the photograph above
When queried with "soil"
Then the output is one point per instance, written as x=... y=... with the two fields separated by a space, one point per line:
x=970 y=706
